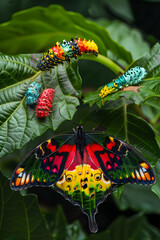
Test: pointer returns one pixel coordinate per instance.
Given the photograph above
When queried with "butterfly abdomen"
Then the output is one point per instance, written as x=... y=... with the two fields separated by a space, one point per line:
x=65 y=52
x=33 y=93
x=45 y=103
x=131 y=77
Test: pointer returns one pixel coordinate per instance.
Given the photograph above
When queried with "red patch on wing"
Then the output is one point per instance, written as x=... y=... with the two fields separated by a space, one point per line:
x=57 y=162
x=115 y=165
x=48 y=168
x=105 y=158
x=110 y=145
x=78 y=161
x=65 y=148
x=93 y=160
x=111 y=155
x=109 y=167
x=51 y=147
x=71 y=157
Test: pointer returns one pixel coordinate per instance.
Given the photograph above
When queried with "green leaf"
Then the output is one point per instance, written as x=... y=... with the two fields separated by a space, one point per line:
x=119 y=9
x=18 y=122
x=150 y=61
x=16 y=68
x=118 y=191
x=133 y=228
x=60 y=229
x=45 y=26
x=132 y=129
x=138 y=198
x=128 y=97
x=156 y=187
x=20 y=217
x=130 y=38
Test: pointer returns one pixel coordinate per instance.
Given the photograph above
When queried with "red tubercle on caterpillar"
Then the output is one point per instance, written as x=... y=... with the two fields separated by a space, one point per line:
x=58 y=51
x=45 y=103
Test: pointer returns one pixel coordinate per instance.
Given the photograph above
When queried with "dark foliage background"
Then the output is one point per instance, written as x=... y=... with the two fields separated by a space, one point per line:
x=126 y=32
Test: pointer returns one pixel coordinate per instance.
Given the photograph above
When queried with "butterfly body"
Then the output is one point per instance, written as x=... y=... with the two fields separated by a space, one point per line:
x=84 y=167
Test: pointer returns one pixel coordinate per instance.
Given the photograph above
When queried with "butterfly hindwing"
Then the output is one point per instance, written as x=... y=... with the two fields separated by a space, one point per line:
x=45 y=164
x=119 y=161
x=85 y=185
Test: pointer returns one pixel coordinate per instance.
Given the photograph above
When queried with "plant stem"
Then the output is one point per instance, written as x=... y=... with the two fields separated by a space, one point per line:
x=36 y=75
x=105 y=61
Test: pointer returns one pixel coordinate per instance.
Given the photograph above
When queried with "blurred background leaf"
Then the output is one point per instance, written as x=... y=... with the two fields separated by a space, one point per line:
x=135 y=227
x=20 y=216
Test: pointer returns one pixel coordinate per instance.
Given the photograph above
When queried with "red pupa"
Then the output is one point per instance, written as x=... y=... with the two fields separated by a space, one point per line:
x=45 y=103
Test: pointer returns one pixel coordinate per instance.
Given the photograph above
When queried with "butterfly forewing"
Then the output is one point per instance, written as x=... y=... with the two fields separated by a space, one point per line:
x=119 y=161
x=45 y=164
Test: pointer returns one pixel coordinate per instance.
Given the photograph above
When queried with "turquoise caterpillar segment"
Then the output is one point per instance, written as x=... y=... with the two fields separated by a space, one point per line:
x=33 y=92
x=131 y=77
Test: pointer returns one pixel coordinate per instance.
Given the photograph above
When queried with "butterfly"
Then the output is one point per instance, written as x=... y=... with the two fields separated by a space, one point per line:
x=84 y=167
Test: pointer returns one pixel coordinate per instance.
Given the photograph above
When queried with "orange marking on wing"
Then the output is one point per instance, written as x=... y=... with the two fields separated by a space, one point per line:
x=145 y=165
x=126 y=175
x=142 y=174
x=32 y=179
x=18 y=180
x=133 y=175
x=27 y=179
x=152 y=178
x=23 y=179
x=147 y=176
x=19 y=170
x=12 y=183
x=137 y=175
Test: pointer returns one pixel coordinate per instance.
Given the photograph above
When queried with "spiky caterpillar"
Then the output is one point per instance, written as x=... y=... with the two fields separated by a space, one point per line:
x=65 y=52
x=45 y=103
x=32 y=93
x=129 y=78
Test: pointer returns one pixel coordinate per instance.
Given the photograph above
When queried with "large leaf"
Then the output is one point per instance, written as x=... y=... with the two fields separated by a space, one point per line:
x=16 y=68
x=138 y=198
x=20 y=217
x=136 y=131
x=18 y=122
x=60 y=229
x=45 y=26
x=128 y=37
x=156 y=187
x=133 y=228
